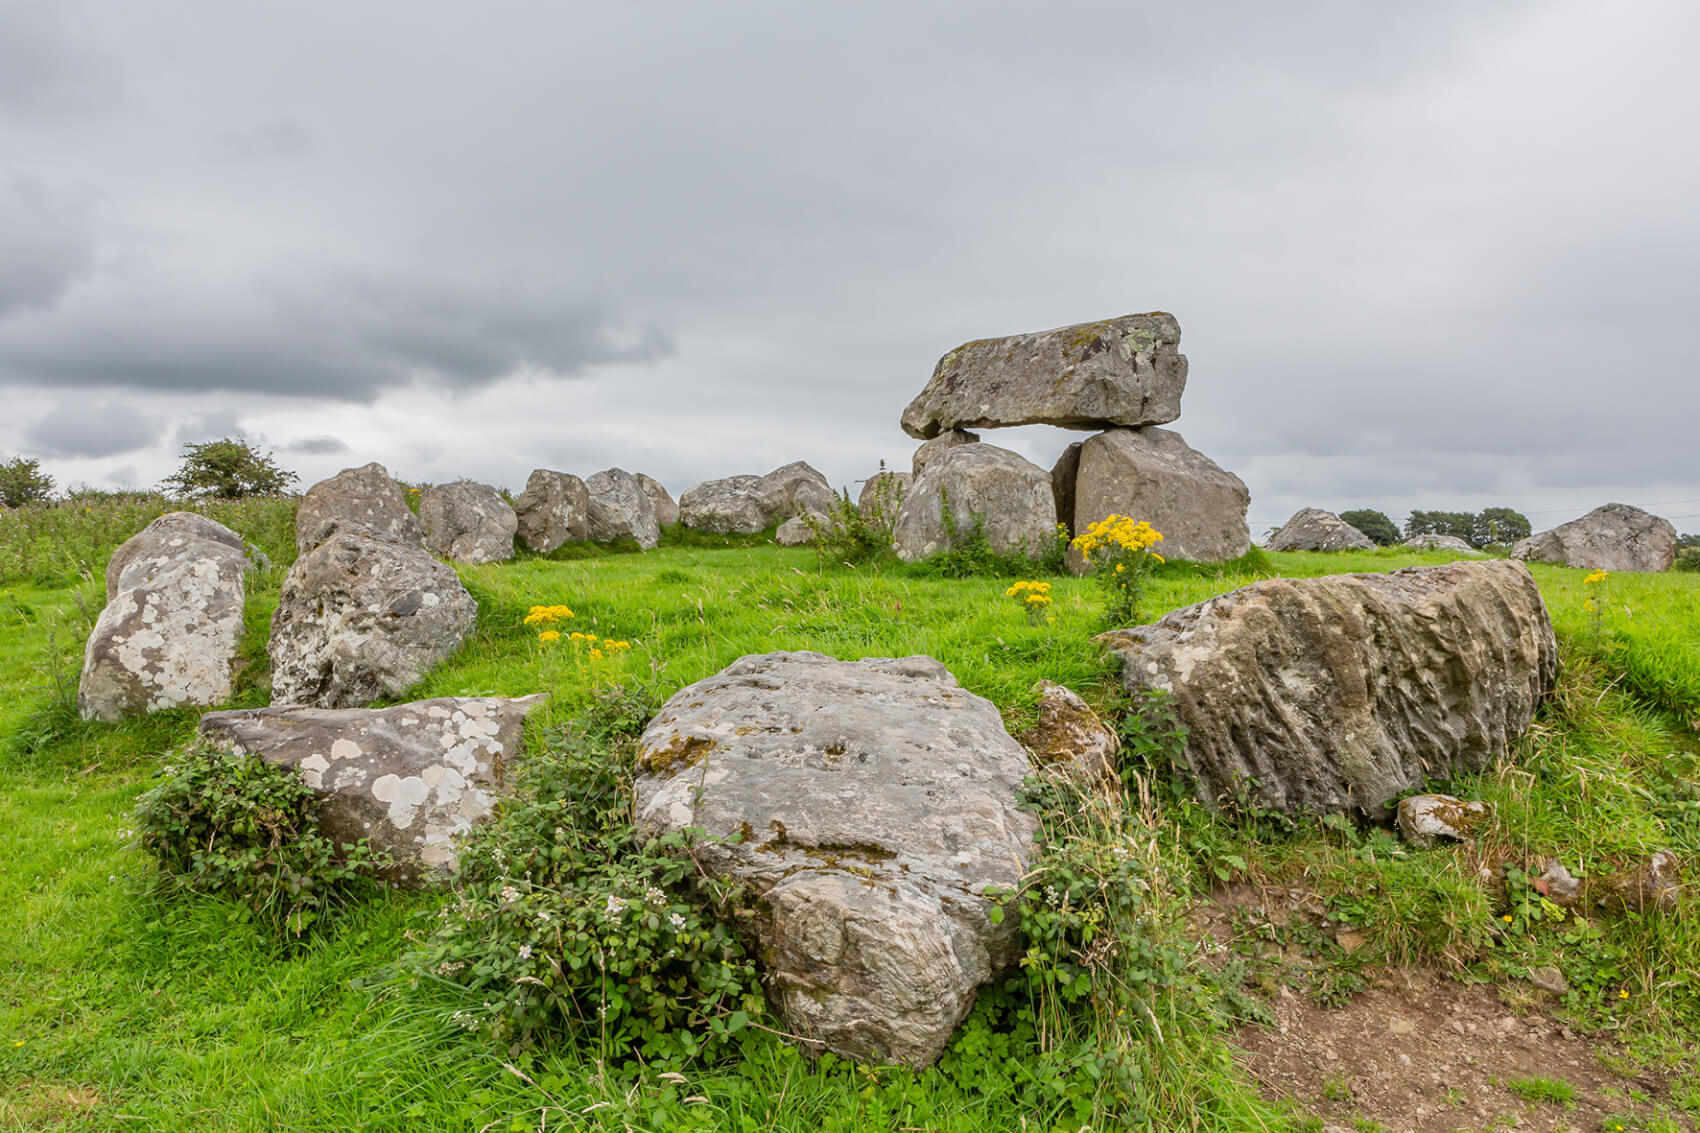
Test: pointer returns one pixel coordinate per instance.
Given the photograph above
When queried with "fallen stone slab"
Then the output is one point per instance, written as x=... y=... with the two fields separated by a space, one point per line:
x=868 y=806
x=1126 y=371
x=1340 y=693
x=413 y=779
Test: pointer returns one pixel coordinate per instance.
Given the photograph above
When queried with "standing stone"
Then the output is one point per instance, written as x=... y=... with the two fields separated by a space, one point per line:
x=1339 y=693
x=804 y=490
x=1312 y=529
x=413 y=779
x=1611 y=537
x=730 y=505
x=882 y=497
x=979 y=483
x=468 y=522
x=927 y=450
x=554 y=509
x=1431 y=541
x=1153 y=475
x=363 y=616
x=1064 y=473
x=362 y=497
x=867 y=806
x=1118 y=372
x=173 y=617
x=666 y=510
x=619 y=509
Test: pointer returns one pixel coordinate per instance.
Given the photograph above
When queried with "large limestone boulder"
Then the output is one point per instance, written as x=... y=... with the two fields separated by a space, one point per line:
x=468 y=522
x=413 y=779
x=1339 y=693
x=362 y=497
x=553 y=510
x=804 y=490
x=1312 y=529
x=1155 y=476
x=362 y=616
x=1009 y=495
x=173 y=617
x=950 y=438
x=868 y=806
x=796 y=532
x=1612 y=537
x=882 y=497
x=666 y=508
x=748 y=504
x=1117 y=372
x=619 y=509
x=1430 y=541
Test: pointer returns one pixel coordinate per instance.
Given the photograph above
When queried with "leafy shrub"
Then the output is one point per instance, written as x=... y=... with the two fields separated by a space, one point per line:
x=848 y=536
x=240 y=828
x=1375 y=525
x=228 y=469
x=23 y=482
x=565 y=922
x=1688 y=560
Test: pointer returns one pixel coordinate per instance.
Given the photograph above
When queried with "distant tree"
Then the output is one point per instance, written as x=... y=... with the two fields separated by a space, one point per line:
x=1500 y=525
x=1459 y=523
x=1383 y=532
x=1688 y=540
x=23 y=482
x=227 y=469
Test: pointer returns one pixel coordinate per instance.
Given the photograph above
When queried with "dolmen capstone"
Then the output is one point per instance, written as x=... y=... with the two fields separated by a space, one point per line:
x=362 y=497
x=868 y=806
x=620 y=509
x=1611 y=537
x=553 y=510
x=413 y=779
x=1337 y=694
x=1005 y=495
x=364 y=613
x=468 y=522
x=748 y=504
x=1126 y=371
x=168 y=634
x=1312 y=529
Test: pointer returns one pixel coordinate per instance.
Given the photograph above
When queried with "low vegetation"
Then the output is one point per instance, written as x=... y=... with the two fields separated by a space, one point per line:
x=572 y=981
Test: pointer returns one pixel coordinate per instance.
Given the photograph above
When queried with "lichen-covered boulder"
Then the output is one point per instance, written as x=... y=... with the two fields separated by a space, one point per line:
x=927 y=450
x=666 y=508
x=882 y=498
x=362 y=497
x=1155 y=476
x=1071 y=740
x=796 y=532
x=1432 y=541
x=1312 y=529
x=1339 y=693
x=468 y=522
x=1008 y=495
x=168 y=634
x=867 y=806
x=553 y=510
x=803 y=490
x=1424 y=820
x=364 y=616
x=1611 y=537
x=413 y=779
x=1117 y=372
x=748 y=504
x=619 y=509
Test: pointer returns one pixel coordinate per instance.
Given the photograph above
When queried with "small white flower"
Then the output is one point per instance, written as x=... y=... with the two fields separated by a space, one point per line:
x=525 y=952
x=677 y=921
x=509 y=894
x=654 y=896
x=616 y=905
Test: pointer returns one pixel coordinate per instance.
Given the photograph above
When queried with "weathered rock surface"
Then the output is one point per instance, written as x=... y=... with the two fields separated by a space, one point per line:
x=619 y=509
x=468 y=522
x=1338 y=693
x=950 y=438
x=1070 y=739
x=1611 y=537
x=1649 y=885
x=1424 y=820
x=1010 y=495
x=362 y=497
x=1117 y=372
x=748 y=504
x=882 y=497
x=414 y=778
x=796 y=532
x=803 y=490
x=1431 y=541
x=1063 y=475
x=173 y=617
x=1155 y=476
x=666 y=508
x=868 y=805
x=362 y=616
x=553 y=510
x=1312 y=529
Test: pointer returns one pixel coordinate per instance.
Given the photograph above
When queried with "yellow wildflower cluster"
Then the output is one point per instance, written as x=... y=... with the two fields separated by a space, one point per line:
x=547 y=615
x=1030 y=593
x=600 y=647
x=1597 y=576
x=1119 y=533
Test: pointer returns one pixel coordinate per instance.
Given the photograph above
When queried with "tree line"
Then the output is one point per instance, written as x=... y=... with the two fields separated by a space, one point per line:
x=1494 y=525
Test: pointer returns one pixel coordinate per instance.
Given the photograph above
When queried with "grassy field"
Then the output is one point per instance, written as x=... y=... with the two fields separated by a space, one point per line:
x=122 y=1008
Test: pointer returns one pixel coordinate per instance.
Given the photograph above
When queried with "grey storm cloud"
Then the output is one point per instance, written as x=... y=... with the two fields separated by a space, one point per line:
x=213 y=426
x=317 y=446
x=46 y=243
x=49 y=65
x=78 y=429
x=271 y=140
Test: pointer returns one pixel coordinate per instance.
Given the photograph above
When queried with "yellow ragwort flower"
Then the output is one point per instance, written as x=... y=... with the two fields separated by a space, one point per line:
x=549 y=635
x=1597 y=576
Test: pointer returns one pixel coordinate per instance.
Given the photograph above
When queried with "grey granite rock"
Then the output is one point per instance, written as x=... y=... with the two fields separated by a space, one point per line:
x=468 y=522
x=619 y=509
x=1611 y=537
x=1153 y=475
x=364 y=498
x=1008 y=495
x=666 y=508
x=1312 y=529
x=553 y=510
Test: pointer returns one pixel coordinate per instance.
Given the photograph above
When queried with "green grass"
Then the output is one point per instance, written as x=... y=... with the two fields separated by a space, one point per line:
x=124 y=1010
x=1543 y=1090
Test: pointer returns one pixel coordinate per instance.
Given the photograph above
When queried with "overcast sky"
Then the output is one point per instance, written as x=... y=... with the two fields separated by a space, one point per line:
x=1423 y=254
